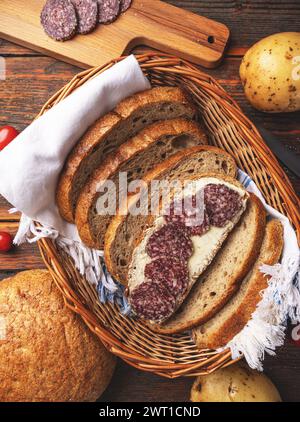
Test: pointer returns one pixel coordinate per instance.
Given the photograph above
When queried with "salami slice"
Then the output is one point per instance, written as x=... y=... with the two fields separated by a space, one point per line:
x=59 y=19
x=171 y=273
x=222 y=203
x=200 y=229
x=87 y=15
x=108 y=10
x=152 y=302
x=125 y=4
x=170 y=240
x=195 y=220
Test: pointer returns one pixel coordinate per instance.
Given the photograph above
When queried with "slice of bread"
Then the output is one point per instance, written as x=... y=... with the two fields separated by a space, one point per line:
x=205 y=246
x=125 y=228
x=110 y=131
x=218 y=331
x=137 y=157
x=224 y=275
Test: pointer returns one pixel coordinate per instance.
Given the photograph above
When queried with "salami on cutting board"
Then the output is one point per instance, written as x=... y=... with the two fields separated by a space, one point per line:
x=149 y=22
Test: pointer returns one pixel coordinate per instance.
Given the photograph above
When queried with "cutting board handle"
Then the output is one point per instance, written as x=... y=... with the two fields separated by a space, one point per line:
x=177 y=31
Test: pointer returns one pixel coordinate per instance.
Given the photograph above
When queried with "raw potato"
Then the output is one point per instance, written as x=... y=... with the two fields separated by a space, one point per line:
x=270 y=73
x=236 y=383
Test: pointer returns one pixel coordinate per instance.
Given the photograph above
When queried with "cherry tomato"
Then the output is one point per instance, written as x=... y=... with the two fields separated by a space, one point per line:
x=295 y=335
x=6 y=242
x=7 y=134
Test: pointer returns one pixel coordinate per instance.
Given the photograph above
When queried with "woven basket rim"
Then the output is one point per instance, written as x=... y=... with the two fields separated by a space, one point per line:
x=290 y=206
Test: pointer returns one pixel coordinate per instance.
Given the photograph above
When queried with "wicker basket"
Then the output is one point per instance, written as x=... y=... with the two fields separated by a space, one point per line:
x=177 y=355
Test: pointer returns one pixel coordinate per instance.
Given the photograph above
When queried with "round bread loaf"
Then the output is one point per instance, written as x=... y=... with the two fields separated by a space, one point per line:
x=46 y=351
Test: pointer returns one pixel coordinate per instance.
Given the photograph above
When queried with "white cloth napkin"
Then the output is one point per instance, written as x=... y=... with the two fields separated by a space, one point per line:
x=31 y=164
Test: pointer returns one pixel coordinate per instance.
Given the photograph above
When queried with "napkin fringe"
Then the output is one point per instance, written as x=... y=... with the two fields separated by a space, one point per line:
x=266 y=329
x=29 y=232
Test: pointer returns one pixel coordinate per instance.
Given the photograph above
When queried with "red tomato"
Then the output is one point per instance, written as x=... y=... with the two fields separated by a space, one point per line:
x=6 y=242
x=7 y=134
x=295 y=335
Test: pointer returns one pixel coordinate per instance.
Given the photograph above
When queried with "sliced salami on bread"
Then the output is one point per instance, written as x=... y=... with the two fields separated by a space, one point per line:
x=110 y=131
x=228 y=322
x=131 y=161
x=170 y=256
x=224 y=275
x=125 y=228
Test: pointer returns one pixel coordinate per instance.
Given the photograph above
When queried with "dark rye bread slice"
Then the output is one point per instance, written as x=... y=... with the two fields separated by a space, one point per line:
x=224 y=275
x=226 y=324
x=125 y=229
x=110 y=131
x=137 y=157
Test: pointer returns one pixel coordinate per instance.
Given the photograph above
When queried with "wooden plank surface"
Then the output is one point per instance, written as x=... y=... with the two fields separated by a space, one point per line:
x=33 y=78
x=19 y=258
x=248 y=20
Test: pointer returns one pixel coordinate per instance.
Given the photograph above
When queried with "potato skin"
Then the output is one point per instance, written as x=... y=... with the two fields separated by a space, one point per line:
x=236 y=383
x=270 y=73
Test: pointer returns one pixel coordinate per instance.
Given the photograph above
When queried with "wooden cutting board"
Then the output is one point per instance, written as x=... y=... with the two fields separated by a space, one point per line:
x=148 y=22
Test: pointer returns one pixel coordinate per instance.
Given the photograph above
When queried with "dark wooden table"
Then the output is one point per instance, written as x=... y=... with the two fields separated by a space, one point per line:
x=32 y=78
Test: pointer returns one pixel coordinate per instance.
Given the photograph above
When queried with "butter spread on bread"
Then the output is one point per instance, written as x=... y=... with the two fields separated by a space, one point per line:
x=125 y=228
x=223 y=277
x=204 y=249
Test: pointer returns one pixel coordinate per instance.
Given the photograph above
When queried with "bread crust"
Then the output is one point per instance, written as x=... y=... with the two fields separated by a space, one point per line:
x=157 y=172
x=151 y=218
x=175 y=159
x=49 y=354
x=181 y=298
x=136 y=145
x=82 y=149
x=96 y=134
x=249 y=260
x=236 y=322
